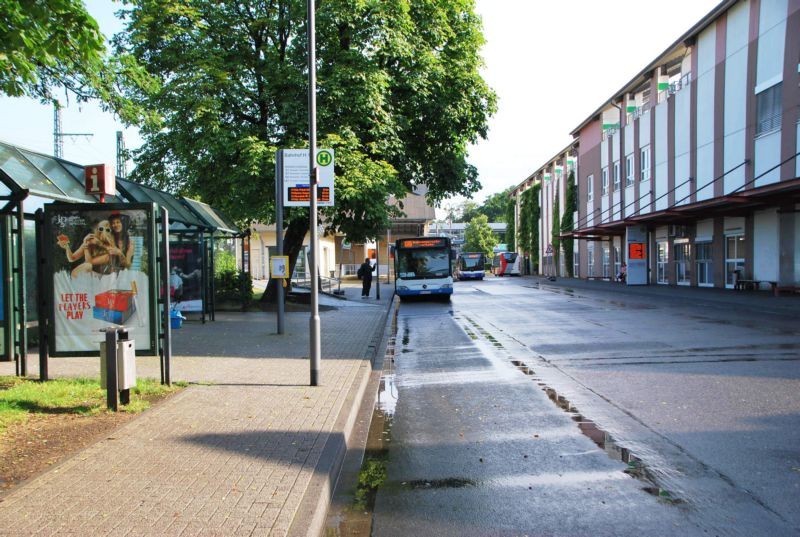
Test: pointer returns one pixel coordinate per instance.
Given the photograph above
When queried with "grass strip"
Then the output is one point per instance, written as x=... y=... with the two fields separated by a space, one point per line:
x=21 y=398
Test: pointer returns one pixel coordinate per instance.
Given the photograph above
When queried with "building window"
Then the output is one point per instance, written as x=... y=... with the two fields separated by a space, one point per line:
x=769 y=105
x=734 y=259
x=702 y=256
x=589 y=187
x=629 y=170
x=590 y=259
x=682 y=267
x=604 y=185
x=662 y=251
x=606 y=262
x=576 y=263
x=645 y=164
x=616 y=176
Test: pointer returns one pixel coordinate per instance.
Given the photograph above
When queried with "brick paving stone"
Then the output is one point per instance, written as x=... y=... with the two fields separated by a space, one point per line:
x=232 y=455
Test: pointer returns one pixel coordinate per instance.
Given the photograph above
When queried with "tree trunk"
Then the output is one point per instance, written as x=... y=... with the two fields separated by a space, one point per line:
x=292 y=245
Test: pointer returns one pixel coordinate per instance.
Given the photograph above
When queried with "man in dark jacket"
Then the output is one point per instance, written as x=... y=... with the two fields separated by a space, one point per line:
x=365 y=273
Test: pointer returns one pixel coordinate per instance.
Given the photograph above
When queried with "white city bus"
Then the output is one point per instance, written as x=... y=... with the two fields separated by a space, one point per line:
x=423 y=266
x=471 y=266
x=507 y=264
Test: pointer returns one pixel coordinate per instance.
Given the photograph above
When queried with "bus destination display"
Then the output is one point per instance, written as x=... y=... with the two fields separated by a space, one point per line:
x=302 y=194
x=433 y=242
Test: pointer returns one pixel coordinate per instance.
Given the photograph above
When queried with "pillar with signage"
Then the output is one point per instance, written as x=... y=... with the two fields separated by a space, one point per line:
x=636 y=241
x=296 y=173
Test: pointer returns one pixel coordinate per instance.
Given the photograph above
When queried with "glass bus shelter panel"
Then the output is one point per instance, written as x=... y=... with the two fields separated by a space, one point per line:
x=5 y=191
x=176 y=208
x=134 y=191
x=4 y=356
x=146 y=194
x=214 y=219
x=31 y=280
x=60 y=176
x=25 y=174
x=33 y=203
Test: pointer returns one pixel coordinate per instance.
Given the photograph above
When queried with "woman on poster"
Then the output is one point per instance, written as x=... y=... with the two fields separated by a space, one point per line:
x=121 y=253
x=94 y=249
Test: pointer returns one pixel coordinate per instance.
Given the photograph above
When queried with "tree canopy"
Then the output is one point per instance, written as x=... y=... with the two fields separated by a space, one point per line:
x=399 y=98
x=52 y=46
x=478 y=236
x=495 y=206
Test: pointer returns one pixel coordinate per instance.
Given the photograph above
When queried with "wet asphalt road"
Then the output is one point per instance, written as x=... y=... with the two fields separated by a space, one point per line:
x=700 y=396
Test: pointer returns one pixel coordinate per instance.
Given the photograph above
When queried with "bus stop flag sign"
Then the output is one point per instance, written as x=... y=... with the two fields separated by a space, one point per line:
x=296 y=178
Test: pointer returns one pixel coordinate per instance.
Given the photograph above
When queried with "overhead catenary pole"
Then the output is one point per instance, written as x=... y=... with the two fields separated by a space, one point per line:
x=314 y=339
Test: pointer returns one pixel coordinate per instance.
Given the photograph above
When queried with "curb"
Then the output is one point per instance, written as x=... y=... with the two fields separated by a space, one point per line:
x=310 y=517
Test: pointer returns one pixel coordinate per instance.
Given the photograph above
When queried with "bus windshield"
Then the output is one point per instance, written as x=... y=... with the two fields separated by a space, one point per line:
x=423 y=263
x=471 y=262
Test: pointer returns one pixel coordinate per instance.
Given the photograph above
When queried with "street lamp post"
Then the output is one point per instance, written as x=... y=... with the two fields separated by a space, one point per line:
x=314 y=339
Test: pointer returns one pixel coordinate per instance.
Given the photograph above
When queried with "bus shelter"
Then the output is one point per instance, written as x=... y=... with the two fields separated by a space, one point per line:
x=194 y=227
x=222 y=238
x=28 y=181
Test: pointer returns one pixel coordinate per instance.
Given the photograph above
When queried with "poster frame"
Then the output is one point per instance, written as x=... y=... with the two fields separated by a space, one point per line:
x=154 y=280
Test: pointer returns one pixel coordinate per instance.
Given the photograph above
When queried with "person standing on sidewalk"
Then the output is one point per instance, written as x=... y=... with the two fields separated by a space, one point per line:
x=365 y=274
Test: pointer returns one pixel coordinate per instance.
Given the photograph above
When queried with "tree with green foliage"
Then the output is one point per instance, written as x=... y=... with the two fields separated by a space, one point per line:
x=555 y=234
x=400 y=98
x=536 y=214
x=56 y=45
x=528 y=232
x=568 y=224
x=495 y=206
x=466 y=211
x=511 y=232
x=524 y=227
x=479 y=237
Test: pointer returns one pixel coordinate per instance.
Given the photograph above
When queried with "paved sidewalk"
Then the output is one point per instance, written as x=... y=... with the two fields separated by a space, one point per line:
x=759 y=302
x=252 y=450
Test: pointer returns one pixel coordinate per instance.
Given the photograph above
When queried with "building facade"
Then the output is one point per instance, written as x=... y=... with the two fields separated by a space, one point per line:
x=689 y=174
x=552 y=180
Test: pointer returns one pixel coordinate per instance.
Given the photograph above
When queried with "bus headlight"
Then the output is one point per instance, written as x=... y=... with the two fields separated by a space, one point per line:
x=402 y=288
x=447 y=286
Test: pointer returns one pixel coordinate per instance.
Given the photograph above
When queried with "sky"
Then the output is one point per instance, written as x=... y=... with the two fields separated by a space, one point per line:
x=551 y=62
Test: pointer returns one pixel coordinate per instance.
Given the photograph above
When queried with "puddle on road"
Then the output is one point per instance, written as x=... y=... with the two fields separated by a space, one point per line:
x=602 y=439
x=448 y=483
x=355 y=520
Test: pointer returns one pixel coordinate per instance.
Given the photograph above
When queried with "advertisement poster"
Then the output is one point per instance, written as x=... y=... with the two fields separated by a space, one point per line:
x=3 y=356
x=186 y=276
x=102 y=273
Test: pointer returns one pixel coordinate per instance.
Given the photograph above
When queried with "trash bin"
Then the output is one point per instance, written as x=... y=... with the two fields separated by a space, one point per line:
x=176 y=319
x=126 y=364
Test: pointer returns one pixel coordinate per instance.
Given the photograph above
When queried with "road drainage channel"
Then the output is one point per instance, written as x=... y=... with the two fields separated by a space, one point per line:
x=602 y=439
x=356 y=519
